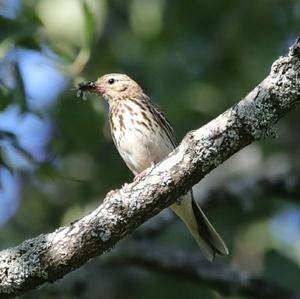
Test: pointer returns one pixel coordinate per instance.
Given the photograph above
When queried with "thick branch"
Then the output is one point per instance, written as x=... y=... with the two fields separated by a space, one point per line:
x=49 y=257
x=224 y=278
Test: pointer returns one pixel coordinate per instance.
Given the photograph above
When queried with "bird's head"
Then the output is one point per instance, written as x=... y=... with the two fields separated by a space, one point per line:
x=112 y=87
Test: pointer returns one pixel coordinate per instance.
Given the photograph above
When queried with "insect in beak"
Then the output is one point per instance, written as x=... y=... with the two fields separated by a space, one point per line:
x=85 y=87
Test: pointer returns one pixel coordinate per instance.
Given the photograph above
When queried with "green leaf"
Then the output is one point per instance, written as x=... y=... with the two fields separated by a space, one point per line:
x=64 y=55
x=282 y=270
x=5 y=95
x=7 y=135
x=16 y=30
x=19 y=93
x=4 y=164
x=22 y=151
x=12 y=138
x=28 y=42
x=8 y=28
x=89 y=26
x=47 y=171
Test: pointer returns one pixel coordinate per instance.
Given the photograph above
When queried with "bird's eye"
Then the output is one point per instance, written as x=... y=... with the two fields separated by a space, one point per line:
x=111 y=81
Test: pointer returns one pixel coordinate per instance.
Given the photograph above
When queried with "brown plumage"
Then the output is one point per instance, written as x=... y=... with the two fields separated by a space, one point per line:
x=143 y=137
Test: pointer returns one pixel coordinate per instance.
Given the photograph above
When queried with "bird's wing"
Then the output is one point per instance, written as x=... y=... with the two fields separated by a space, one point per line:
x=164 y=123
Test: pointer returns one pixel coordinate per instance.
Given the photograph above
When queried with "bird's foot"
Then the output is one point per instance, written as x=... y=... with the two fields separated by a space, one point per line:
x=125 y=185
x=145 y=171
x=141 y=174
x=110 y=193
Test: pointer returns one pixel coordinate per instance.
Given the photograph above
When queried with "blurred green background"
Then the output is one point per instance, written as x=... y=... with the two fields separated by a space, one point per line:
x=195 y=59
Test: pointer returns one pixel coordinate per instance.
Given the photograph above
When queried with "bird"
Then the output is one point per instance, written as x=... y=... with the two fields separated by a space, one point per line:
x=143 y=137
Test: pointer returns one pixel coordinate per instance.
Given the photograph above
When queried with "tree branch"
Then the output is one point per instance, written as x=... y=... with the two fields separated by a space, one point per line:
x=285 y=186
x=49 y=257
x=227 y=279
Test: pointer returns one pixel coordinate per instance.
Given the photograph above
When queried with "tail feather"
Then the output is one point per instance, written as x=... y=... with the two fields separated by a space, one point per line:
x=202 y=230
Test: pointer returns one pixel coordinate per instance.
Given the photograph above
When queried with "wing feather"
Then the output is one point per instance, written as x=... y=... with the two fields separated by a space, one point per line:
x=163 y=122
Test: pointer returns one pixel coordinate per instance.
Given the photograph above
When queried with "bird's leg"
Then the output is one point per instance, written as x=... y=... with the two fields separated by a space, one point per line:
x=145 y=171
x=110 y=193
x=125 y=185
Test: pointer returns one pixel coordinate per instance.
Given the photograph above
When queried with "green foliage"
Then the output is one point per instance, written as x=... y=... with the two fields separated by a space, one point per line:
x=19 y=93
x=276 y=263
x=89 y=26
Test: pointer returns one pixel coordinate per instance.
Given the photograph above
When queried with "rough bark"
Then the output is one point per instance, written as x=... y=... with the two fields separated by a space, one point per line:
x=49 y=257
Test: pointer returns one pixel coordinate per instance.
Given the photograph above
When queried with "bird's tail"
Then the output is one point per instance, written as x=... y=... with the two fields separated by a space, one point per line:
x=202 y=230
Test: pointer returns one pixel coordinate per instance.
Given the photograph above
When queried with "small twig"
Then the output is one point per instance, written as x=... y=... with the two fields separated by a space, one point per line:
x=227 y=279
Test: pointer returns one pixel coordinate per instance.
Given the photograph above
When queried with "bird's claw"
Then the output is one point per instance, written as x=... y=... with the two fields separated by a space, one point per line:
x=125 y=185
x=110 y=193
x=145 y=171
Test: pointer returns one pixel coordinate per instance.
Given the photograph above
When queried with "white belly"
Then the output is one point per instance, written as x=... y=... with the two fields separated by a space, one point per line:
x=138 y=137
x=140 y=149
